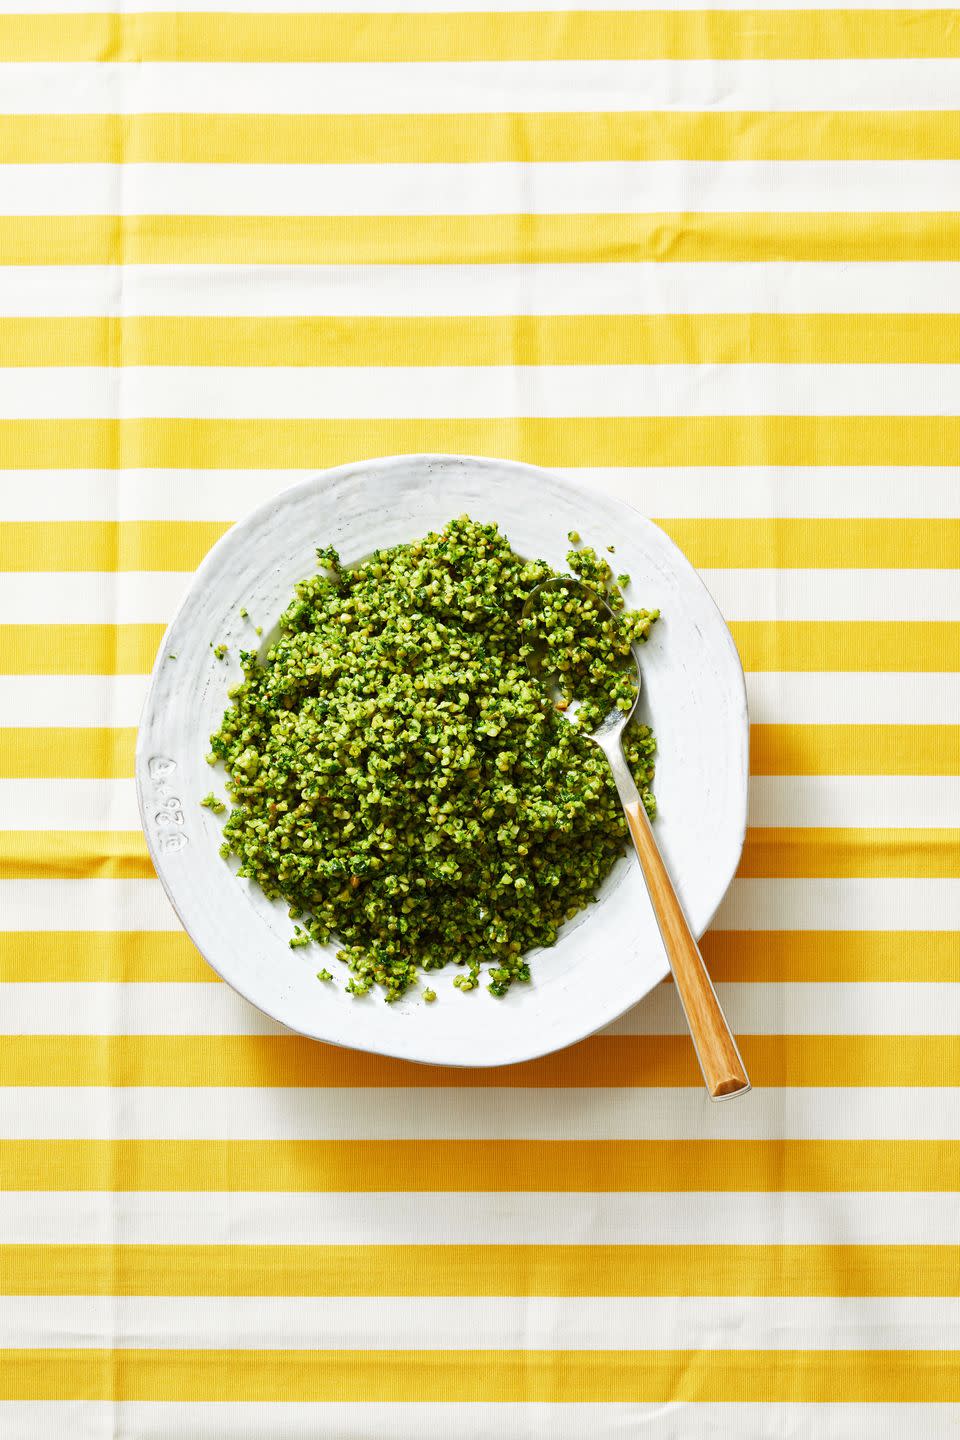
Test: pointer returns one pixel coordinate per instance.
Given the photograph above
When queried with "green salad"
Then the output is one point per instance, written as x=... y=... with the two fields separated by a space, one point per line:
x=400 y=777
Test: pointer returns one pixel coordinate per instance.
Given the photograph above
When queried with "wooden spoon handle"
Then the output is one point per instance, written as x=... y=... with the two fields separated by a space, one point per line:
x=713 y=1041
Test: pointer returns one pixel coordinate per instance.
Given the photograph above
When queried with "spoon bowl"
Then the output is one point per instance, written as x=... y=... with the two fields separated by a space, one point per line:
x=616 y=720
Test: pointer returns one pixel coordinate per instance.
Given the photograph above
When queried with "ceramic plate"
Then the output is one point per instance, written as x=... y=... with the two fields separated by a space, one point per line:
x=606 y=959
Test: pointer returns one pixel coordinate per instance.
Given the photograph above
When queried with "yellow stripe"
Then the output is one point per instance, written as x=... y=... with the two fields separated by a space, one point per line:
x=74 y=855
x=105 y=754
x=752 y=956
x=542 y=35
x=462 y=139
x=447 y=1166
x=769 y=853
x=662 y=1377
x=852 y=645
x=627 y=1060
x=763 y=645
x=859 y=749
x=30 y=545
x=818 y=544
x=476 y=239
x=850 y=854
x=455 y=340
x=645 y=440
x=78 y=649
x=107 y=544
x=485 y=1269
x=49 y=753
x=101 y=955
x=831 y=955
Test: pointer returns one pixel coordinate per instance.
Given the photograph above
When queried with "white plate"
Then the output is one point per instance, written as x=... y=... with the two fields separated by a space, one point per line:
x=693 y=695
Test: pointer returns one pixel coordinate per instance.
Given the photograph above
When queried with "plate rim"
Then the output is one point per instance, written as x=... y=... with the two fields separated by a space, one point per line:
x=387 y=462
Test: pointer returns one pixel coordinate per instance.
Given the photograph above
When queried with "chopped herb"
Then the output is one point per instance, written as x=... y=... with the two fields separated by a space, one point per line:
x=210 y=802
x=405 y=783
x=220 y=651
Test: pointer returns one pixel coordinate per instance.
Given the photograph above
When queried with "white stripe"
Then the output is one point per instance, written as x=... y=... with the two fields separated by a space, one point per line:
x=133 y=1008
x=831 y=594
x=722 y=491
x=449 y=392
x=747 y=491
x=170 y=1217
x=499 y=188
x=70 y=804
x=788 y=904
x=173 y=1008
x=129 y=1008
x=616 y=288
x=109 y=597
x=142 y=597
x=809 y=1008
x=840 y=905
x=146 y=597
x=81 y=700
x=355 y=1420
x=807 y=698
x=830 y=698
x=263 y=1113
x=453 y=1323
x=252 y=1420
x=85 y=905
x=90 y=87
x=348 y=1420
x=904 y=801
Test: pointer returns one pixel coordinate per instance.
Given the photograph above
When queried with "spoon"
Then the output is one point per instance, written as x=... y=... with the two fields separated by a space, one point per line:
x=720 y=1063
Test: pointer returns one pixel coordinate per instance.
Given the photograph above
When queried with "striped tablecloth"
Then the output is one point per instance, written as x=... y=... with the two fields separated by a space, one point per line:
x=706 y=260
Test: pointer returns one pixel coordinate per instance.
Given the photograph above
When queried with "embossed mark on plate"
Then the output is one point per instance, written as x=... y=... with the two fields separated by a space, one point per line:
x=166 y=808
